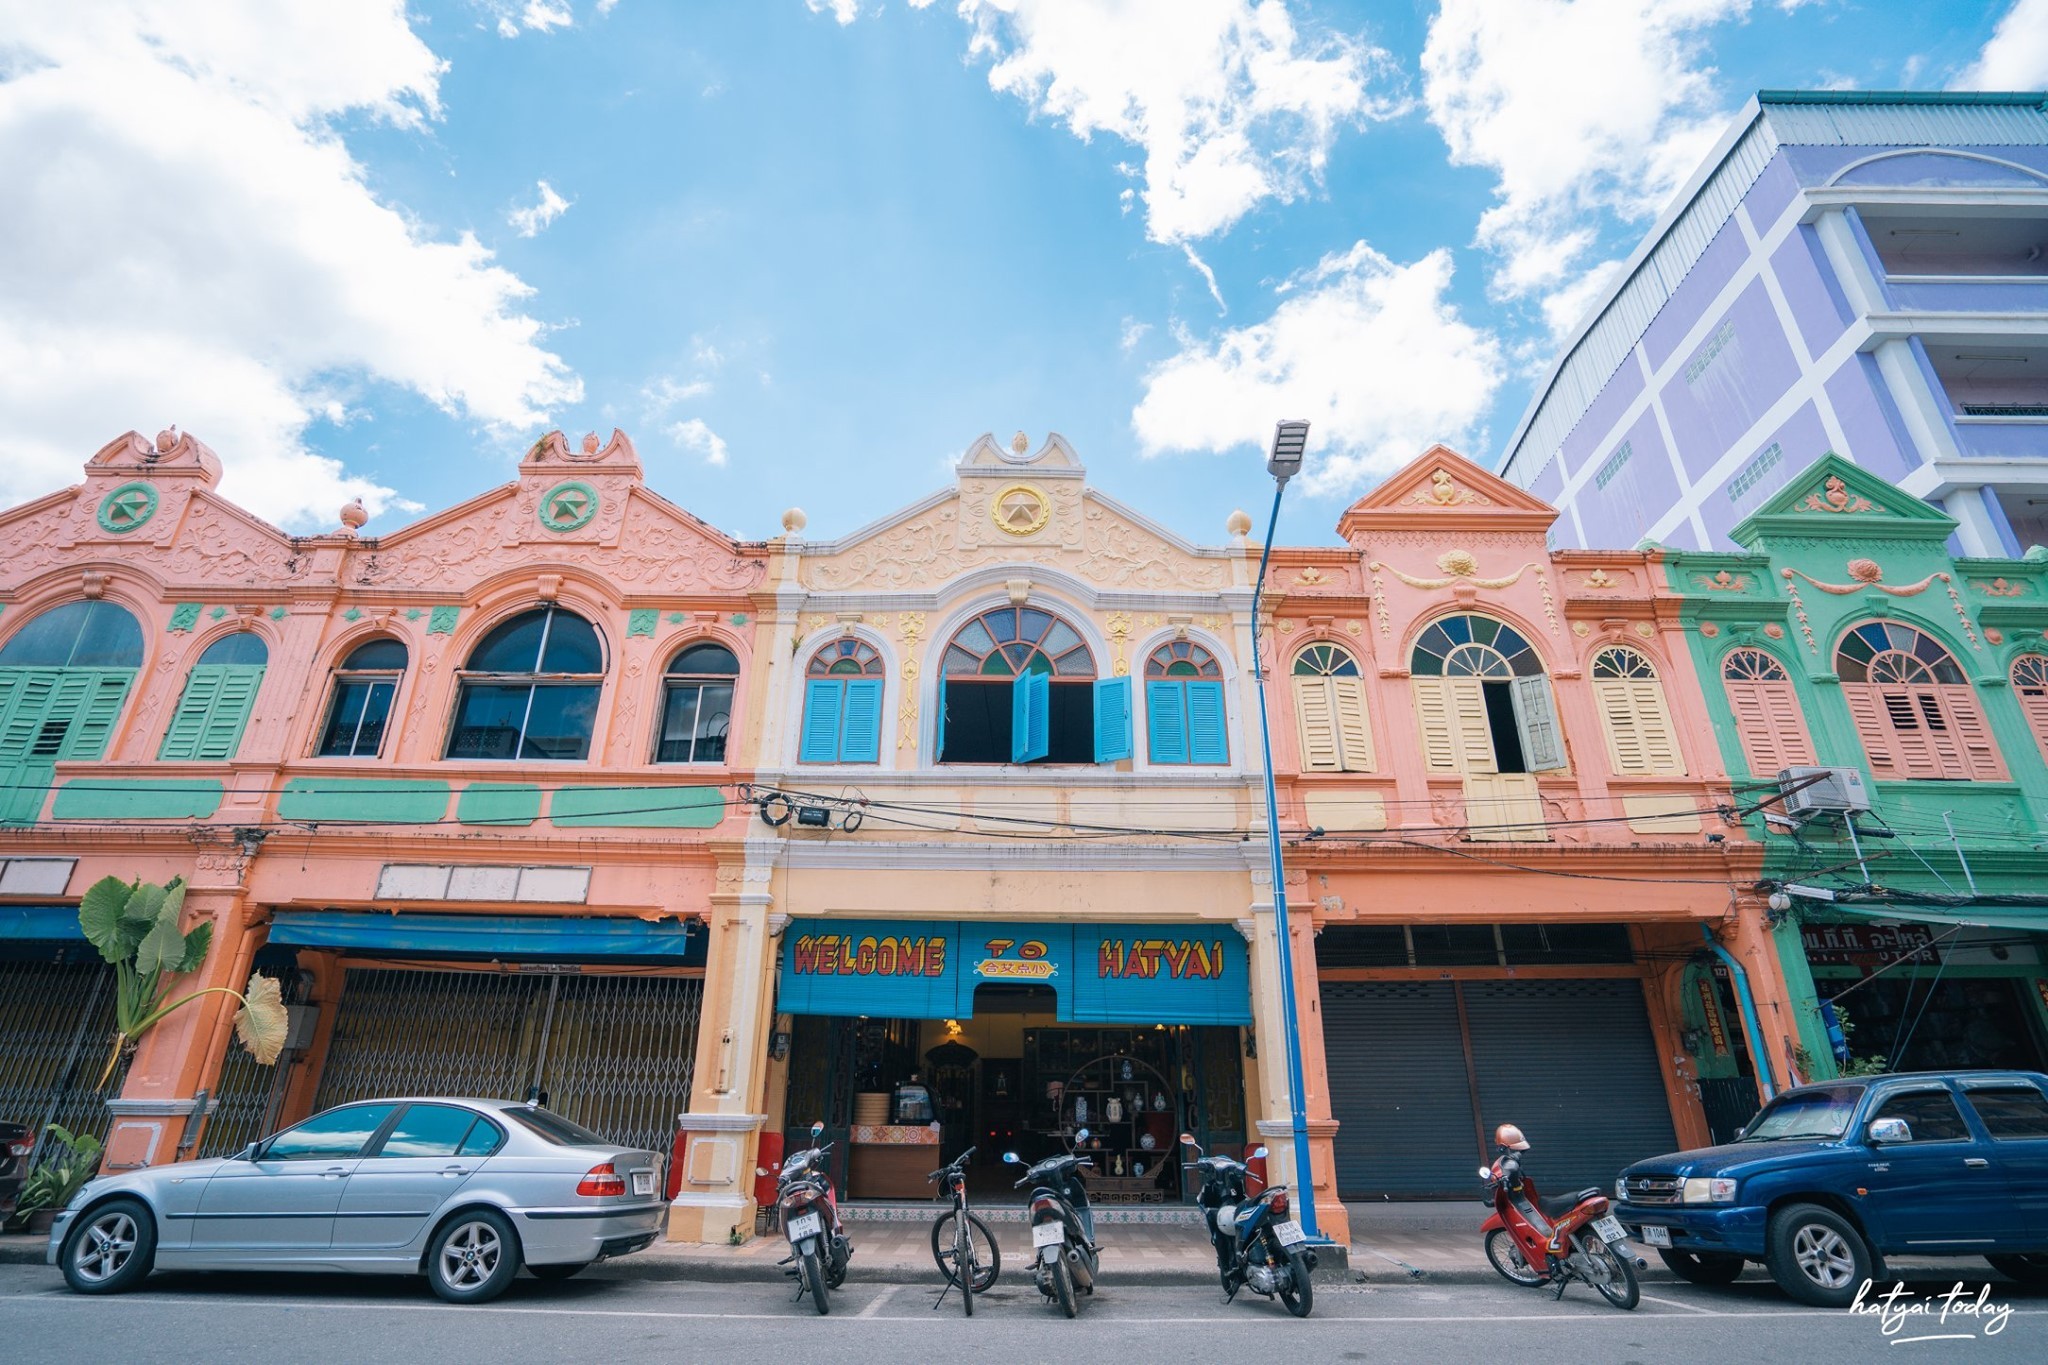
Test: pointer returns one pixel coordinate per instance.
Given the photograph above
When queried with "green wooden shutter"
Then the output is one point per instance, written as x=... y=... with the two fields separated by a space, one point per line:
x=25 y=781
x=101 y=708
x=1112 y=719
x=1208 y=737
x=823 y=701
x=1166 y=722
x=862 y=740
x=212 y=713
x=1030 y=717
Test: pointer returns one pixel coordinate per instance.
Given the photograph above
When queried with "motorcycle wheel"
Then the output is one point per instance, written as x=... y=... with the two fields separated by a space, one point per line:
x=1617 y=1271
x=988 y=1256
x=814 y=1281
x=835 y=1266
x=1297 y=1293
x=1506 y=1255
x=1063 y=1286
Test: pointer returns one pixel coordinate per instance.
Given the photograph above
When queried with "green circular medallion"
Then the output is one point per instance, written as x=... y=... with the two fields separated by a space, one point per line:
x=567 y=506
x=127 y=507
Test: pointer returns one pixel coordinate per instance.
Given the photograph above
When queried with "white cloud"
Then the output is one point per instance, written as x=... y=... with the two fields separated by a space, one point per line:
x=2016 y=57
x=1369 y=351
x=1133 y=332
x=1581 y=108
x=511 y=17
x=1208 y=276
x=540 y=16
x=665 y=394
x=1229 y=103
x=845 y=11
x=187 y=239
x=694 y=435
x=534 y=218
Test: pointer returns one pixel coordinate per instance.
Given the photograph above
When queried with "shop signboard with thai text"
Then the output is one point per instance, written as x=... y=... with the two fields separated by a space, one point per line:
x=1867 y=945
x=1098 y=973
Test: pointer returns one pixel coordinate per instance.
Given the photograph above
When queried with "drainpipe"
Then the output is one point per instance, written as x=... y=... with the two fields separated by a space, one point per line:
x=1750 y=1029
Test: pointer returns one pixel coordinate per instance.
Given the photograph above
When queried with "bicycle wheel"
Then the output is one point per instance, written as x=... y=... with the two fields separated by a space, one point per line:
x=988 y=1257
x=963 y=1260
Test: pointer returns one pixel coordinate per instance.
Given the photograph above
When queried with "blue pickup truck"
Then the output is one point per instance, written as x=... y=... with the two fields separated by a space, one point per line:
x=1829 y=1179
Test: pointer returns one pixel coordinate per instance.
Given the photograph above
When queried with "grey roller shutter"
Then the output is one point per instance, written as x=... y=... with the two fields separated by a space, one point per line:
x=1573 y=1064
x=1398 y=1089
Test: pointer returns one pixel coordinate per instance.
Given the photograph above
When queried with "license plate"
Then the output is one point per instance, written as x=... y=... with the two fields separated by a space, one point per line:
x=1289 y=1233
x=1047 y=1234
x=1655 y=1236
x=805 y=1225
x=643 y=1182
x=1610 y=1230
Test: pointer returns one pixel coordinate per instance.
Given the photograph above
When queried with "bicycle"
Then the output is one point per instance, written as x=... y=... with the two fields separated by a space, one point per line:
x=962 y=1245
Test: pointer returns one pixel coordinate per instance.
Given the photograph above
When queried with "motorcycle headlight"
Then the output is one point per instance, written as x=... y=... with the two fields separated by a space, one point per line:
x=1621 y=1189
x=1709 y=1190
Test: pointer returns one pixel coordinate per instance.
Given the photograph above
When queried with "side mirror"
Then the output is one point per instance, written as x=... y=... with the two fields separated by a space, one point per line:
x=1890 y=1130
x=1258 y=1153
x=1188 y=1140
x=1013 y=1159
x=817 y=1130
x=249 y=1153
x=1081 y=1136
x=760 y=1170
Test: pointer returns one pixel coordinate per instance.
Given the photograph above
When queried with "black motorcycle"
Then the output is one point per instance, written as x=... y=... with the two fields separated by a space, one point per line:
x=1063 y=1249
x=818 y=1245
x=1258 y=1247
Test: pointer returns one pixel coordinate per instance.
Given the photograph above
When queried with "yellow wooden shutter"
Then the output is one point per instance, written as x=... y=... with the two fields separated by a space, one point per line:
x=1504 y=807
x=1467 y=700
x=1316 y=725
x=1433 y=716
x=1354 y=730
x=1618 y=720
x=1653 y=724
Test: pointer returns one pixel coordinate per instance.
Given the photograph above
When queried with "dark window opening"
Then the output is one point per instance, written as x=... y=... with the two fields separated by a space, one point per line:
x=50 y=739
x=1507 y=733
x=1533 y=944
x=978 y=722
x=1354 y=945
x=1454 y=945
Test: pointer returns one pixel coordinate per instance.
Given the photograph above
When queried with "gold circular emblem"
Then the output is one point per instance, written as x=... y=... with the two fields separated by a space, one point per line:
x=1020 y=509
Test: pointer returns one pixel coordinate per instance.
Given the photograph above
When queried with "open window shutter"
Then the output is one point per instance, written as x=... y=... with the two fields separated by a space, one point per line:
x=1439 y=734
x=1315 y=721
x=1470 y=729
x=1030 y=717
x=187 y=730
x=1166 y=723
x=861 y=741
x=1873 y=727
x=1112 y=719
x=1973 y=736
x=1208 y=733
x=96 y=717
x=25 y=778
x=1354 y=730
x=939 y=742
x=823 y=698
x=1536 y=712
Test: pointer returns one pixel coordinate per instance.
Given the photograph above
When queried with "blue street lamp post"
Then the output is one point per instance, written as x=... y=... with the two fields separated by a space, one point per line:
x=1289 y=440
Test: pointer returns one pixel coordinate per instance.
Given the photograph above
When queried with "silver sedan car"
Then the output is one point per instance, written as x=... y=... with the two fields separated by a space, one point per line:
x=463 y=1191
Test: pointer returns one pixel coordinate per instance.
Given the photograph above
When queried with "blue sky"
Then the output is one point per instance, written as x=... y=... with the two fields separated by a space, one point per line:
x=804 y=251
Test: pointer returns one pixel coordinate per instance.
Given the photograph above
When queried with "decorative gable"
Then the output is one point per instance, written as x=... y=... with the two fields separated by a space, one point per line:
x=1836 y=498
x=1441 y=484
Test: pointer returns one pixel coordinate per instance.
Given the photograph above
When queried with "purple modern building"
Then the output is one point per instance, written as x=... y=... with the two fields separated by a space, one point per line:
x=1859 y=272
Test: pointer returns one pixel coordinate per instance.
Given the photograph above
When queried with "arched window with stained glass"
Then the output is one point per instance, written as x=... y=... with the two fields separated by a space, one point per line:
x=1765 y=704
x=1641 y=739
x=64 y=675
x=842 y=720
x=2030 y=685
x=1913 y=707
x=1018 y=684
x=1329 y=711
x=1482 y=699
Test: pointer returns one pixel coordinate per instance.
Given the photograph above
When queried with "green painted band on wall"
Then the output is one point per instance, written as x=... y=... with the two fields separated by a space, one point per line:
x=498 y=803
x=167 y=798
x=363 y=800
x=638 y=807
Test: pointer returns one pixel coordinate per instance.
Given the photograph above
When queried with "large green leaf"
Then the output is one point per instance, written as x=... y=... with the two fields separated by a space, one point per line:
x=173 y=903
x=99 y=916
x=145 y=902
x=195 y=947
x=262 y=1022
x=161 y=949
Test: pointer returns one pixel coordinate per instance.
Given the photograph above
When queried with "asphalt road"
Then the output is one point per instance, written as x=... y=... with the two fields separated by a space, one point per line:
x=332 y=1318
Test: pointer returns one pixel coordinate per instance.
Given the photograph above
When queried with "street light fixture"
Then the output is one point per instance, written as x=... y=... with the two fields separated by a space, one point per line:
x=1290 y=439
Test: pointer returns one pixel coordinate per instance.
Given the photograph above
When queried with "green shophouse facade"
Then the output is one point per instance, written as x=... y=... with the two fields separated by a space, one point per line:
x=1847 y=634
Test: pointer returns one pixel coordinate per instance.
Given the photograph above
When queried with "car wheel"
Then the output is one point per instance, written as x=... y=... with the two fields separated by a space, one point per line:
x=1817 y=1257
x=2026 y=1268
x=110 y=1249
x=474 y=1257
x=1703 y=1267
x=559 y=1272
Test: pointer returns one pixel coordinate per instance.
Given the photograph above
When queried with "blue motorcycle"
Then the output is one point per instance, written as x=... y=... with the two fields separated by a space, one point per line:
x=1258 y=1247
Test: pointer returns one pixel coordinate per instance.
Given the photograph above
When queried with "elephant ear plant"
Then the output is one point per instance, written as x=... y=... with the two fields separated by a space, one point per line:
x=135 y=927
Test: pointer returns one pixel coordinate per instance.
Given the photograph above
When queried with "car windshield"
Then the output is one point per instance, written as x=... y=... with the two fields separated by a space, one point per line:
x=1807 y=1114
x=556 y=1129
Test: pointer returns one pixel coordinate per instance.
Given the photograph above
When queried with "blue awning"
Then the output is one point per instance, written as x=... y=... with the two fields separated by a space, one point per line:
x=502 y=938
x=40 y=921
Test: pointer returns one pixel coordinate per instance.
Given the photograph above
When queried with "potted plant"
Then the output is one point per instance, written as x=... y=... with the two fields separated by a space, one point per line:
x=68 y=1161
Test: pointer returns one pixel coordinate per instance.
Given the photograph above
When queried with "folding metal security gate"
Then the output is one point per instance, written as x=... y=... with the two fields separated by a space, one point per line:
x=613 y=1052
x=248 y=1095
x=56 y=1024
x=1419 y=1070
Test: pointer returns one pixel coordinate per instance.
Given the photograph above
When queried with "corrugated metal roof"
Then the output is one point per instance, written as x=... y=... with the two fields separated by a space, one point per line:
x=1672 y=248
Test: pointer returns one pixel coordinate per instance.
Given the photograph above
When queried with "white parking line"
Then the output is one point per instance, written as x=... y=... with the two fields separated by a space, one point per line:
x=880 y=1299
x=1688 y=1307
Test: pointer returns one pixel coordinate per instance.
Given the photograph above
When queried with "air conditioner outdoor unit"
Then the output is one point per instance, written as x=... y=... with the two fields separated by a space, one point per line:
x=1839 y=789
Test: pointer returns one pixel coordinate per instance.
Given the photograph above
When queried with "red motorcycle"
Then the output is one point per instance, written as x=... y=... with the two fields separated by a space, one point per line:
x=1536 y=1241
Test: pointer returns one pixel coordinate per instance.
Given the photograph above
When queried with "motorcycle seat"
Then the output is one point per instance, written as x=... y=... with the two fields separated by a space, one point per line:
x=1557 y=1206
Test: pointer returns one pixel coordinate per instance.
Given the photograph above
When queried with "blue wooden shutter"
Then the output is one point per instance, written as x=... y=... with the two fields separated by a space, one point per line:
x=1030 y=717
x=1208 y=736
x=1112 y=719
x=939 y=742
x=861 y=741
x=823 y=701
x=1166 y=722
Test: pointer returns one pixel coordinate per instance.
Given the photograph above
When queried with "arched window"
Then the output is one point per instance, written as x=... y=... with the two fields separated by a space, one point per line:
x=1018 y=685
x=1641 y=740
x=1482 y=700
x=1184 y=710
x=1766 y=710
x=63 y=678
x=1329 y=711
x=219 y=697
x=364 y=687
x=696 y=707
x=1914 y=710
x=530 y=689
x=842 y=705
x=2030 y=685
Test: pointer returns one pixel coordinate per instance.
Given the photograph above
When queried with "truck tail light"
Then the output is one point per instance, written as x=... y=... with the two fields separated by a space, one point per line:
x=601 y=1180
